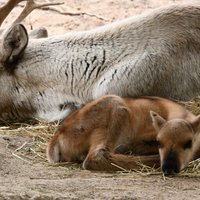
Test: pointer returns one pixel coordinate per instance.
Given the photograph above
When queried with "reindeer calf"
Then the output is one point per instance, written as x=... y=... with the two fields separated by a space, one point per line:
x=103 y=131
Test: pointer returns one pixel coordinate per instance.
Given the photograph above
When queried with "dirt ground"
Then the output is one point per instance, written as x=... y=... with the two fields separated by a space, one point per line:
x=22 y=178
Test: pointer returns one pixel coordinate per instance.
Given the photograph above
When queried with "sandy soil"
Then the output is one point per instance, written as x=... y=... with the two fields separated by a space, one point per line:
x=36 y=179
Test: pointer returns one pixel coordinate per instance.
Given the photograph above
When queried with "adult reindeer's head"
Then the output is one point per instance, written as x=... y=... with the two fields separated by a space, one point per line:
x=15 y=92
x=14 y=40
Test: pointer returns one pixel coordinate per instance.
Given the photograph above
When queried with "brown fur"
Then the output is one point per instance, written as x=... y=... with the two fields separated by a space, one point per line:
x=103 y=131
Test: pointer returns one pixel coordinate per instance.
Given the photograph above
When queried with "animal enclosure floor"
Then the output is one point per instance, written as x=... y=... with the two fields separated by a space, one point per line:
x=23 y=179
x=36 y=179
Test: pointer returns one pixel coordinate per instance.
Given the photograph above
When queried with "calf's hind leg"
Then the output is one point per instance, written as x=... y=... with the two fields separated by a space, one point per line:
x=101 y=159
x=101 y=155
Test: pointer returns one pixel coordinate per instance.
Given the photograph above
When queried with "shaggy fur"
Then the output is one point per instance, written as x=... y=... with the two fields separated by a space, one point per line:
x=157 y=53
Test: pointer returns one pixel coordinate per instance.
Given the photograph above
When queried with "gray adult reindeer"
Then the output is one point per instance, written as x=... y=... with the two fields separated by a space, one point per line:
x=152 y=54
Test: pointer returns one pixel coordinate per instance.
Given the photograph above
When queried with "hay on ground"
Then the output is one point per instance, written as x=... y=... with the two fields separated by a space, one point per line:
x=38 y=134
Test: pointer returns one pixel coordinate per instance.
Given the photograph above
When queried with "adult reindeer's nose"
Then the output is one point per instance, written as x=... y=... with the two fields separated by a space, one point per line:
x=171 y=164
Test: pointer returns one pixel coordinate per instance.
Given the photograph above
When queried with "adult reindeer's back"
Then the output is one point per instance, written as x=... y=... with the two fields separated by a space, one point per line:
x=153 y=54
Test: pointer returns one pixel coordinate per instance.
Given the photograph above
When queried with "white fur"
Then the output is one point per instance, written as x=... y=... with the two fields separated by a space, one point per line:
x=153 y=54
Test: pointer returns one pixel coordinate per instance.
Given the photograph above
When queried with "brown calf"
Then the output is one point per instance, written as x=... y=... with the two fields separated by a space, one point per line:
x=104 y=131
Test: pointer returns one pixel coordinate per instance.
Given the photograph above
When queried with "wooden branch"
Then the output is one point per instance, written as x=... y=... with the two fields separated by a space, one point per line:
x=75 y=14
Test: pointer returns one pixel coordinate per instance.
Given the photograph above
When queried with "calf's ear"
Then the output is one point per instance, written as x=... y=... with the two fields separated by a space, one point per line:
x=14 y=43
x=157 y=120
x=196 y=124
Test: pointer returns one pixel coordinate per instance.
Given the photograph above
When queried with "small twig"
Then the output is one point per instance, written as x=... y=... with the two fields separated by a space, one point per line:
x=38 y=154
x=3 y=128
x=76 y=14
x=194 y=161
x=17 y=156
x=61 y=164
x=39 y=178
x=31 y=128
x=121 y=168
x=42 y=8
x=19 y=148
x=164 y=178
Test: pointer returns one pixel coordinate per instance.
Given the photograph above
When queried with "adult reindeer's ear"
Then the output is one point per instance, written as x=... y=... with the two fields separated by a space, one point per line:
x=157 y=120
x=15 y=41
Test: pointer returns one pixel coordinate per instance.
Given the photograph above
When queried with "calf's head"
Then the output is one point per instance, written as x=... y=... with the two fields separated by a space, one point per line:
x=175 y=140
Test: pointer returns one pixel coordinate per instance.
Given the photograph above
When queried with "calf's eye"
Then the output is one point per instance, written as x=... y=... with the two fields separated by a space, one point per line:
x=150 y=142
x=159 y=144
x=188 y=145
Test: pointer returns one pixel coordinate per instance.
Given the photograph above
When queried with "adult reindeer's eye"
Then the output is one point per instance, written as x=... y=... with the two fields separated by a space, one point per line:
x=188 y=145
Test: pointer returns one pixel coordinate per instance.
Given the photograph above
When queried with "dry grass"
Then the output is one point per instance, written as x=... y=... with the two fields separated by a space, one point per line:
x=193 y=106
x=38 y=134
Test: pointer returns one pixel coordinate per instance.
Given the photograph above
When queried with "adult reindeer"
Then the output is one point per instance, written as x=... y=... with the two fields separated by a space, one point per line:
x=152 y=54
